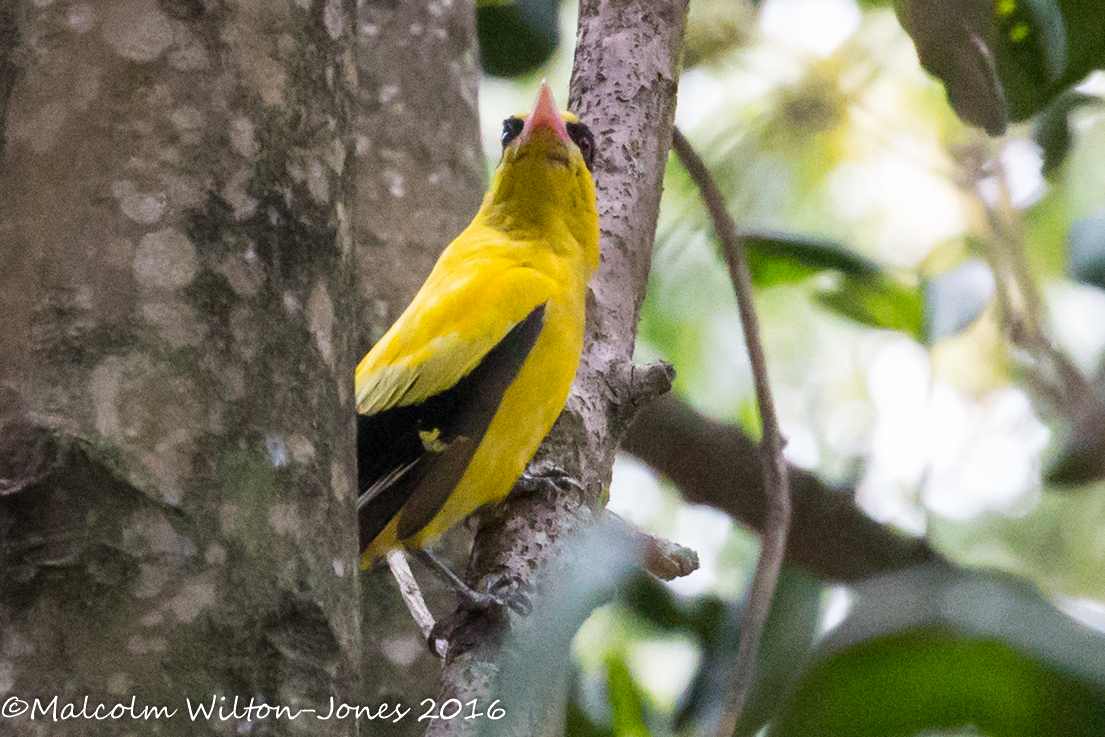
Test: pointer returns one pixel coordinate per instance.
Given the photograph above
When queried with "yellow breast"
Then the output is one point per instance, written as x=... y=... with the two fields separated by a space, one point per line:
x=558 y=277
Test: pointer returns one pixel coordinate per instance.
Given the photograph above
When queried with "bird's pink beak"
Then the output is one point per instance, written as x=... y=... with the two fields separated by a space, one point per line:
x=546 y=115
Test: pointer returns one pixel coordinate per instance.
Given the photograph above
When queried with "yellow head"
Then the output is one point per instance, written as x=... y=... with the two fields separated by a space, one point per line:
x=543 y=182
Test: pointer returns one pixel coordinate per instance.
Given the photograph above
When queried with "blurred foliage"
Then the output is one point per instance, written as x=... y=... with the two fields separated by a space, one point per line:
x=1081 y=461
x=578 y=724
x=931 y=678
x=516 y=36
x=781 y=154
x=781 y=259
x=789 y=634
x=715 y=28
x=956 y=298
x=943 y=648
x=1086 y=249
x=626 y=701
x=1060 y=545
x=1005 y=60
x=932 y=648
x=534 y=663
x=878 y=302
x=1053 y=127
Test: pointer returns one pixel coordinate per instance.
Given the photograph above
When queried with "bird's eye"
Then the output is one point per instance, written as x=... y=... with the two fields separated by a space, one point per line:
x=582 y=137
x=511 y=128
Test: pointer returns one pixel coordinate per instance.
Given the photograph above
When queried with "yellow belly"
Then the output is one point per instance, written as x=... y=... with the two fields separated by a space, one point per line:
x=529 y=408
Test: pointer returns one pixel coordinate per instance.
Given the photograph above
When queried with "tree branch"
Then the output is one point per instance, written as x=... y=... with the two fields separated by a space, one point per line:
x=776 y=486
x=410 y=590
x=9 y=39
x=624 y=85
x=717 y=464
x=662 y=558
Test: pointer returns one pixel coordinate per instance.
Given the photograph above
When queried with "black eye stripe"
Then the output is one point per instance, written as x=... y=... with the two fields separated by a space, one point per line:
x=579 y=133
x=583 y=138
x=511 y=128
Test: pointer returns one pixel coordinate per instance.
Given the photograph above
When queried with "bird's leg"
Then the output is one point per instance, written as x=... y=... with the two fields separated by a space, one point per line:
x=498 y=592
x=452 y=580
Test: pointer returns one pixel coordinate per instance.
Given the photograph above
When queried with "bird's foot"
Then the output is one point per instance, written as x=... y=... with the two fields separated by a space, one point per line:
x=547 y=483
x=509 y=591
x=479 y=615
x=496 y=590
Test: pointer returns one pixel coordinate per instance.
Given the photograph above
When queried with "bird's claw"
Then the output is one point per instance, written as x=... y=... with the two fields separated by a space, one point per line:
x=510 y=592
x=498 y=590
x=548 y=483
x=472 y=599
x=479 y=615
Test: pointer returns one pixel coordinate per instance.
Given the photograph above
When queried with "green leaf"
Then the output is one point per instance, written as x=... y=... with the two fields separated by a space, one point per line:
x=784 y=259
x=862 y=292
x=1005 y=60
x=1029 y=44
x=932 y=678
x=656 y=604
x=626 y=700
x=878 y=301
x=516 y=36
x=1085 y=26
x=943 y=648
x=1052 y=30
x=953 y=40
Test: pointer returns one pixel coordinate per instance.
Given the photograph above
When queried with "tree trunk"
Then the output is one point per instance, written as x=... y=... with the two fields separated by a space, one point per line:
x=178 y=301
x=420 y=163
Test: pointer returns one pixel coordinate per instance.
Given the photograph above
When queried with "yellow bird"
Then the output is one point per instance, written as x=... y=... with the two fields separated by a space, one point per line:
x=455 y=398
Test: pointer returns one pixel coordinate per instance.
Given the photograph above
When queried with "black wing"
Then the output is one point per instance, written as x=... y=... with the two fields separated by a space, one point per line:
x=415 y=455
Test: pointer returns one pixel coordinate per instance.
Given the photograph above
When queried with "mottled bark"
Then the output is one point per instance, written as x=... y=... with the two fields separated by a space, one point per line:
x=9 y=40
x=624 y=85
x=420 y=174
x=719 y=465
x=420 y=164
x=178 y=306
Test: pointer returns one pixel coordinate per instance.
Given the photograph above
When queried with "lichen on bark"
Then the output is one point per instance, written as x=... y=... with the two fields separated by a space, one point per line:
x=420 y=163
